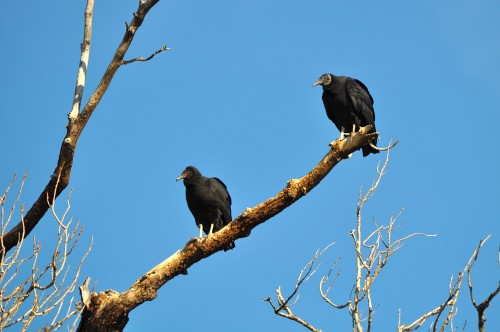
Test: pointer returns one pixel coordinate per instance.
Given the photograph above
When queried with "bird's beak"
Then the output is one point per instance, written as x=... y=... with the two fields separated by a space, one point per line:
x=318 y=82
x=182 y=176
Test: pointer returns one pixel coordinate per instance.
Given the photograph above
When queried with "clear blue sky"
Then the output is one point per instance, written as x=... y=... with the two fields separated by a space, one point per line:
x=234 y=98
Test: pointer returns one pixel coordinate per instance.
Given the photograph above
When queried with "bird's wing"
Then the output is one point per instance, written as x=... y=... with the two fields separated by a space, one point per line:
x=219 y=190
x=329 y=108
x=222 y=190
x=362 y=101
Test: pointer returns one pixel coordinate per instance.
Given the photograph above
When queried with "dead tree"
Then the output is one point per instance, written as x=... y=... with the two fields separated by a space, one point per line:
x=284 y=306
x=78 y=118
x=31 y=289
x=108 y=311
x=372 y=253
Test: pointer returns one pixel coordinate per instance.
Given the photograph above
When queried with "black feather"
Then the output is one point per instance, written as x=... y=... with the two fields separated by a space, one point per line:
x=208 y=200
x=348 y=104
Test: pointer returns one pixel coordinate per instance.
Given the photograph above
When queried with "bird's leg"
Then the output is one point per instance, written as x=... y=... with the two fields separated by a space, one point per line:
x=353 y=129
x=201 y=229
x=342 y=133
x=211 y=229
x=350 y=135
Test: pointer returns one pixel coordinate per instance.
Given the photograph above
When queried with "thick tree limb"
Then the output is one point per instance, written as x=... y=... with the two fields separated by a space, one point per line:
x=108 y=311
x=76 y=124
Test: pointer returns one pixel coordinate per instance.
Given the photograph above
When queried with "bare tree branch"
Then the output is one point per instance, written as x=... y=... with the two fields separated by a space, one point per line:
x=30 y=288
x=163 y=48
x=365 y=275
x=84 y=60
x=284 y=309
x=324 y=293
x=112 y=308
x=288 y=312
x=77 y=122
x=450 y=301
x=309 y=272
x=481 y=308
x=372 y=254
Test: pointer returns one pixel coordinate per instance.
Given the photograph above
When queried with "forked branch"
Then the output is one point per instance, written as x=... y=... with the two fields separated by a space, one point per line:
x=449 y=302
x=324 y=292
x=46 y=287
x=77 y=122
x=283 y=308
x=481 y=307
x=372 y=254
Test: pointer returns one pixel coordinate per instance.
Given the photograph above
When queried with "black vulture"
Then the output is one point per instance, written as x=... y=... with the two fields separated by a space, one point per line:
x=208 y=200
x=348 y=104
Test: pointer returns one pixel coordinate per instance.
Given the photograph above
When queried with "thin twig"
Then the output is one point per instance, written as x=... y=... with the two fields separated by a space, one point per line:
x=284 y=308
x=48 y=286
x=451 y=300
x=163 y=48
x=324 y=293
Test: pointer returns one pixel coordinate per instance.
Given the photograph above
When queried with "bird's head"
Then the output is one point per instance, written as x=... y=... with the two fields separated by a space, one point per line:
x=188 y=173
x=323 y=80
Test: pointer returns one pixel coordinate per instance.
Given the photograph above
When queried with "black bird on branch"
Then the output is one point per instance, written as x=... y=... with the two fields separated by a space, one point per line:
x=208 y=200
x=349 y=106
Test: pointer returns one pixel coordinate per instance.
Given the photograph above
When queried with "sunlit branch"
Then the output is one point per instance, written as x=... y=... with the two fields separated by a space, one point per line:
x=84 y=60
x=114 y=307
x=77 y=122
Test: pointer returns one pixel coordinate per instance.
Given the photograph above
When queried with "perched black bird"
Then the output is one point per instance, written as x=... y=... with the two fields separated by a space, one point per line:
x=348 y=104
x=208 y=200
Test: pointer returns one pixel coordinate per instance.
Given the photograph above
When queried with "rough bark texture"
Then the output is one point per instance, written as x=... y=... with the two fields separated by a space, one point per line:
x=108 y=311
x=77 y=121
